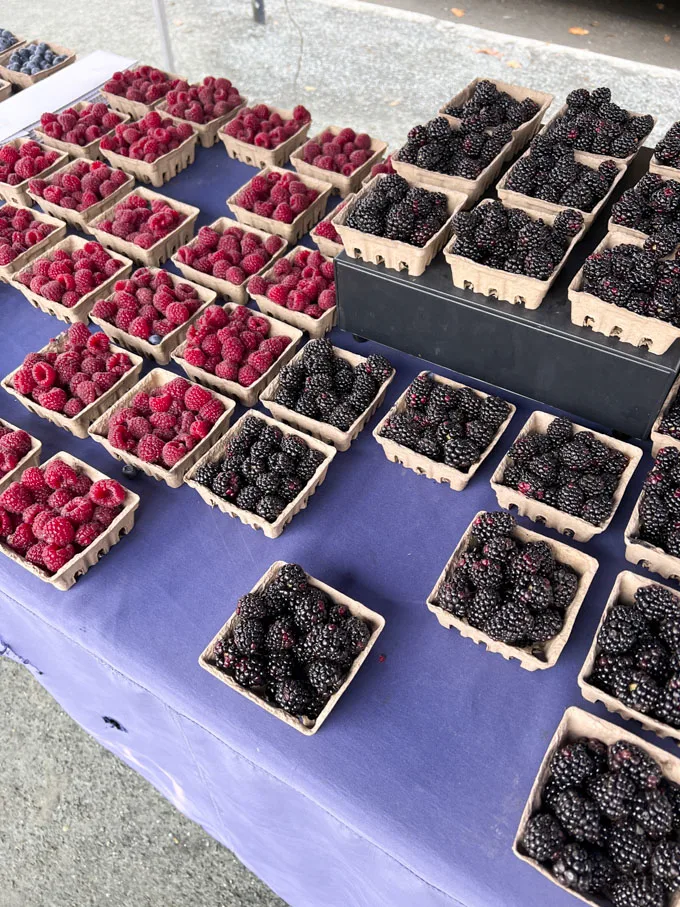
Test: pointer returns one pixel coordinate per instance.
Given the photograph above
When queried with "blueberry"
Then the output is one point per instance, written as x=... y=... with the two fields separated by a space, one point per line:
x=155 y=339
x=129 y=471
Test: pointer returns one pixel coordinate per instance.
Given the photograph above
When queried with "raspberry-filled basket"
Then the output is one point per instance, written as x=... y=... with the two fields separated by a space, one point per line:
x=553 y=122
x=229 y=289
x=24 y=80
x=660 y=437
x=588 y=310
x=325 y=236
x=340 y=439
x=624 y=595
x=98 y=510
x=148 y=86
x=163 y=241
x=316 y=324
x=522 y=133
x=517 y=289
x=10 y=265
x=5 y=89
x=18 y=446
x=295 y=225
x=349 y=177
x=89 y=150
x=375 y=622
x=395 y=254
x=137 y=336
x=615 y=747
x=77 y=309
x=247 y=393
x=456 y=479
x=271 y=528
x=96 y=394
x=260 y=157
x=534 y=655
x=166 y=465
x=79 y=219
x=207 y=129
x=547 y=515
x=18 y=194
x=516 y=199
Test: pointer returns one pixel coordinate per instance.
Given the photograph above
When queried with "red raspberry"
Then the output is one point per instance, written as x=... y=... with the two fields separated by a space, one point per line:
x=150 y=448
x=81 y=486
x=272 y=244
x=78 y=510
x=16 y=498
x=87 y=533
x=105 y=515
x=195 y=357
x=59 y=475
x=257 y=286
x=16 y=442
x=254 y=262
x=53 y=399
x=177 y=313
x=195 y=397
x=120 y=438
x=233 y=349
x=87 y=392
x=22 y=538
x=261 y=361
x=139 y=427
x=275 y=345
x=258 y=325
x=59 y=497
x=227 y=370
x=43 y=375
x=104 y=381
x=247 y=375
x=283 y=214
x=163 y=421
x=107 y=493
x=177 y=388
x=8 y=461
x=186 y=421
x=297 y=301
x=58 y=531
x=200 y=428
x=140 y=327
x=54 y=557
x=173 y=452
x=72 y=407
x=29 y=515
x=160 y=403
x=211 y=411
x=327 y=299
x=215 y=317
x=211 y=346
x=34 y=480
x=23 y=381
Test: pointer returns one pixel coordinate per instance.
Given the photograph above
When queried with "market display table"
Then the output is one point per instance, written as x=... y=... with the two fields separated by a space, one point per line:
x=412 y=791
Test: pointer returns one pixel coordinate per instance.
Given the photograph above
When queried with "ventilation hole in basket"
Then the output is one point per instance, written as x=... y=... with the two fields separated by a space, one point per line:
x=674 y=577
x=644 y=564
x=520 y=300
x=569 y=533
x=615 y=332
x=420 y=471
x=512 y=507
x=540 y=520
x=588 y=322
x=493 y=292
x=468 y=285
x=646 y=343
x=379 y=260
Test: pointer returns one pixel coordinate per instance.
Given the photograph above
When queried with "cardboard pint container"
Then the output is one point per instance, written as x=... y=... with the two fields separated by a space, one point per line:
x=160 y=171
x=136 y=109
x=91 y=150
x=22 y=79
x=19 y=195
x=602 y=157
x=342 y=185
x=32 y=458
x=645 y=554
x=208 y=133
x=39 y=249
x=265 y=157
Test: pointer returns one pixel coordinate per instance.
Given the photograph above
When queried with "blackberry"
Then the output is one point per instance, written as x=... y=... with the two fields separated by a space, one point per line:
x=559 y=432
x=493 y=525
x=248 y=498
x=657 y=603
x=358 y=633
x=543 y=838
x=604 y=873
x=343 y=416
x=309 y=464
x=570 y=499
x=629 y=758
x=268 y=482
x=613 y=793
x=402 y=430
x=206 y=474
x=652 y=811
x=669 y=632
x=454 y=597
x=535 y=592
x=461 y=454
x=620 y=630
x=511 y=623
x=449 y=430
x=610 y=671
x=287 y=398
x=654 y=518
x=378 y=367
x=252 y=606
x=668 y=707
x=329 y=642
x=653 y=660
x=281 y=665
x=597 y=509
x=278 y=599
x=571 y=766
x=665 y=865
x=269 y=507
x=639 y=692
x=281 y=635
x=578 y=816
x=227 y=485
x=546 y=625
x=427 y=445
x=537 y=557
x=638 y=891
x=482 y=608
x=574 y=868
x=564 y=585
x=494 y=411
x=250 y=670
x=325 y=677
x=500 y=549
x=226 y=654
x=311 y=609
x=629 y=850
x=292 y=695
x=248 y=634
x=486 y=574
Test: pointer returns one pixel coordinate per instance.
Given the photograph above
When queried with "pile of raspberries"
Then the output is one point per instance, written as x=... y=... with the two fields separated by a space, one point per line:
x=140 y=221
x=19 y=232
x=608 y=824
x=264 y=127
x=510 y=240
x=80 y=186
x=163 y=425
x=235 y=345
x=667 y=152
x=65 y=277
x=71 y=379
x=395 y=210
x=209 y=100
x=341 y=153
x=653 y=207
x=53 y=513
x=149 y=305
x=447 y=424
x=278 y=196
x=658 y=507
x=637 y=279
x=443 y=148
x=261 y=469
x=80 y=127
x=554 y=175
x=144 y=84
x=292 y=644
x=571 y=470
x=234 y=254
x=488 y=107
x=302 y=282
x=637 y=660
x=147 y=139
x=14 y=445
x=324 y=387
x=325 y=227
x=19 y=164
x=591 y=122
x=516 y=593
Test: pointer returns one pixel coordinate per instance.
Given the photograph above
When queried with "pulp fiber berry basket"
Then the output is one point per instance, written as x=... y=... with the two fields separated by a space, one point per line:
x=305 y=725
x=78 y=425
x=394 y=254
x=136 y=109
x=606 y=318
x=342 y=185
x=174 y=476
x=208 y=133
x=265 y=157
x=161 y=250
x=322 y=430
x=19 y=195
x=517 y=289
x=602 y=157
x=646 y=555
x=233 y=292
x=159 y=352
x=21 y=78
x=80 y=311
x=64 y=578
x=91 y=151
x=328 y=247
x=32 y=458
x=45 y=244
x=542 y=657
x=160 y=171
x=664 y=170
x=271 y=530
x=248 y=396
x=572 y=526
x=659 y=439
x=300 y=225
x=456 y=479
x=624 y=590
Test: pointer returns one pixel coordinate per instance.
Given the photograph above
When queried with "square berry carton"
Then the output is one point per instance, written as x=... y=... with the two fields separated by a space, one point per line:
x=161 y=351
x=138 y=109
x=646 y=555
x=532 y=658
x=249 y=395
x=208 y=133
x=456 y=479
x=174 y=475
x=158 y=252
x=659 y=438
x=228 y=290
x=22 y=79
x=342 y=184
x=623 y=593
x=30 y=458
x=305 y=725
x=24 y=258
x=19 y=195
x=572 y=526
x=121 y=524
x=91 y=150
x=163 y=168
x=274 y=528
x=602 y=157
x=259 y=157
x=575 y=725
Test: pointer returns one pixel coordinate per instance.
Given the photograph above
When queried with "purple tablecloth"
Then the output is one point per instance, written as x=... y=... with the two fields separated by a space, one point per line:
x=412 y=791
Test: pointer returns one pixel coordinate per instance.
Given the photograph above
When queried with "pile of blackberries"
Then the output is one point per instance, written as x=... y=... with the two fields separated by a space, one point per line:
x=670 y=422
x=443 y=148
x=488 y=107
x=667 y=152
x=659 y=507
x=395 y=210
x=653 y=207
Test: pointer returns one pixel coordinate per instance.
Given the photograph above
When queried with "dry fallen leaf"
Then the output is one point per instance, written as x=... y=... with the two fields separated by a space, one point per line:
x=577 y=30
x=667 y=39
x=513 y=64
x=489 y=51
x=395 y=102
x=459 y=13
x=310 y=87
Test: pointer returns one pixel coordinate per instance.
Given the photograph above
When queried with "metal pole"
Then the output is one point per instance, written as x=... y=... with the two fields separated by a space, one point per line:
x=162 y=24
x=258 y=11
